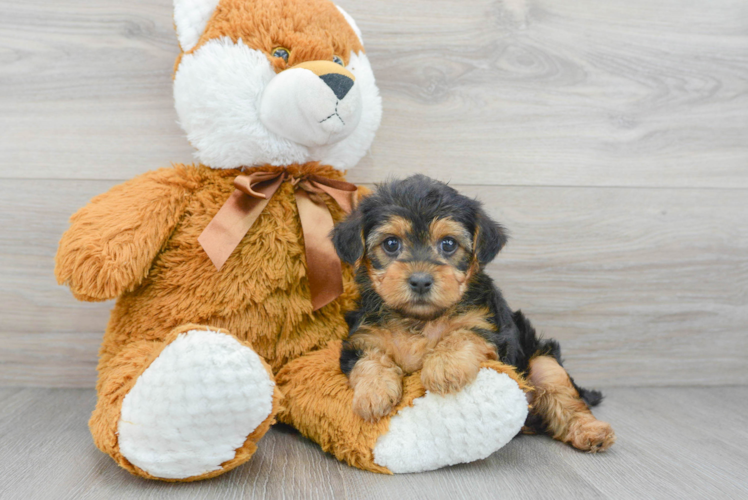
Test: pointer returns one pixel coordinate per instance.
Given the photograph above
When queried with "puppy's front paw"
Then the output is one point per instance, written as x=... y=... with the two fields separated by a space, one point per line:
x=375 y=400
x=444 y=375
x=591 y=435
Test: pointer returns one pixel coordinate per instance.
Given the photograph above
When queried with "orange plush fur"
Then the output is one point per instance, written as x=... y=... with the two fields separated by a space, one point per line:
x=149 y=257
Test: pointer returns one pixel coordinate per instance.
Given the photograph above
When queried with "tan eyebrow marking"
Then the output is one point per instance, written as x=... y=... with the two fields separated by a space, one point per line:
x=396 y=226
x=441 y=228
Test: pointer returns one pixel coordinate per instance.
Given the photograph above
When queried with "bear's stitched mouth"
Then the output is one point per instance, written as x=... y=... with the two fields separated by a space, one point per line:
x=335 y=113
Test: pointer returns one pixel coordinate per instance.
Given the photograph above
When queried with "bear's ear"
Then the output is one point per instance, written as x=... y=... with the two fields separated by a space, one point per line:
x=490 y=238
x=191 y=17
x=348 y=238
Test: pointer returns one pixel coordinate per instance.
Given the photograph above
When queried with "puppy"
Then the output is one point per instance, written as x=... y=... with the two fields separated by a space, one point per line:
x=420 y=249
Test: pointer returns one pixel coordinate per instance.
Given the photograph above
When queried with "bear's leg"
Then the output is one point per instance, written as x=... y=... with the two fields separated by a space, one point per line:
x=424 y=431
x=189 y=407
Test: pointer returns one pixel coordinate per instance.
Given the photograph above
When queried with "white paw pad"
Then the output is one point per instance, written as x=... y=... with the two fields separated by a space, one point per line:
x=445 y=430
x=194 y=406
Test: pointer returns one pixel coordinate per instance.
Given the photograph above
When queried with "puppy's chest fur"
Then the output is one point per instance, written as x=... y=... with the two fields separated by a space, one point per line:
x=409 y=341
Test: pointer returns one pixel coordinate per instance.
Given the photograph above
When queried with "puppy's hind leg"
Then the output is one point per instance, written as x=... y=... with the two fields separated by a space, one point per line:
x=566 y=416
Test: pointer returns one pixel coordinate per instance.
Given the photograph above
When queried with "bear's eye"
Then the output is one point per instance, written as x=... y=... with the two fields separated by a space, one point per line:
x=281 y=52
x=338 y=60
x=391 y=245
x=448 y=245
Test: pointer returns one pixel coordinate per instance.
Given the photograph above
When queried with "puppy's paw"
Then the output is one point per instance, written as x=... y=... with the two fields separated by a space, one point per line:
x=591 y=435
x=375 y=400
x=442 y=375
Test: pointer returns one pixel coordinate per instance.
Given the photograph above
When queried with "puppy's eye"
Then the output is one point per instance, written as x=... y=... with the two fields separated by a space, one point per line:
x=448 y=245
x=338 y=60
x=391 y=245
x=281 y=52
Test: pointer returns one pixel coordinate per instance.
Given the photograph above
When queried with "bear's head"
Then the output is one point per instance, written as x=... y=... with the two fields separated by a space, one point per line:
x=273 y=82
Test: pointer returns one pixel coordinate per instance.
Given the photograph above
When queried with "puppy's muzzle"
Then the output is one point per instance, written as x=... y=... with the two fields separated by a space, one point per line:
x=420 y=283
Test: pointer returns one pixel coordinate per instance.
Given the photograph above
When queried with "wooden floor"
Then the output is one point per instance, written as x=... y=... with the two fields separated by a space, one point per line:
x=672 y=443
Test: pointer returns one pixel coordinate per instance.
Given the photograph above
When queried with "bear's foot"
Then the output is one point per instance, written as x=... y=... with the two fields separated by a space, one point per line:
x=424 y=431
x=470 y=425
x=198 y=409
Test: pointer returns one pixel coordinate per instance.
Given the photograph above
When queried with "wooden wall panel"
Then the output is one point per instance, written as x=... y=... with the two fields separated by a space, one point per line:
x=642 y=286
x=521 y=92
x=610 y=138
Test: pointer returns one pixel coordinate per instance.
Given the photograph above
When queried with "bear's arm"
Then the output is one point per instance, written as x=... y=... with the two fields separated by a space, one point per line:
x=112 y=241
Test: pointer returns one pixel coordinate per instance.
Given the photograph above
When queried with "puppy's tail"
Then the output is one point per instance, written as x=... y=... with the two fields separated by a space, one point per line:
x=590 y=396
x=533 y=345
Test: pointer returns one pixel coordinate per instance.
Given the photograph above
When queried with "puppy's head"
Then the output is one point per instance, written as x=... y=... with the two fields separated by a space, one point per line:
x=419 y=242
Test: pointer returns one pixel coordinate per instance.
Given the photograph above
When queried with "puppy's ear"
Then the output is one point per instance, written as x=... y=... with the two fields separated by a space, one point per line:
x=490 y=238
x=348 y=238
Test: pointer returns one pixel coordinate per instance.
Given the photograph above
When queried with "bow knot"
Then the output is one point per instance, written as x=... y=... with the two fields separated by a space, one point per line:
x=253 y=192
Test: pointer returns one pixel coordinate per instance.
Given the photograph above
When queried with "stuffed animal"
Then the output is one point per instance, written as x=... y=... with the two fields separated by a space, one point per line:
x=230 y=297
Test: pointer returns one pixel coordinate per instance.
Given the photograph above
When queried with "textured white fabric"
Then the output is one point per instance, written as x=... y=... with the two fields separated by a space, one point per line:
x=444 y=430
x=194 y=406
x=190 y=18
x=217 y=93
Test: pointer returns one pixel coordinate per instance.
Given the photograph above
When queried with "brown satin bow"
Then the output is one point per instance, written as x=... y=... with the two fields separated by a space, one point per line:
x=253 y=192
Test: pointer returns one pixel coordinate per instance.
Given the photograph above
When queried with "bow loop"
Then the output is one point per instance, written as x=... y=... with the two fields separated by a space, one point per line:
x=247 y=183
x=253 y=192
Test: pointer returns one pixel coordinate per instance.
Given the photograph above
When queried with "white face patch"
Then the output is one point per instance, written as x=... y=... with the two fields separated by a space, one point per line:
x=298 y=105
x=346 y=153
x=218 y=92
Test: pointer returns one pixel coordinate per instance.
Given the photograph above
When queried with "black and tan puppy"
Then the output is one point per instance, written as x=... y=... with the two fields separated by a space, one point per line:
x=426 y=304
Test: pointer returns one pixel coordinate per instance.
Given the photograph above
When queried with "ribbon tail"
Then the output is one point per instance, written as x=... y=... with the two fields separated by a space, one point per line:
x=226 y=230
x=324 y=270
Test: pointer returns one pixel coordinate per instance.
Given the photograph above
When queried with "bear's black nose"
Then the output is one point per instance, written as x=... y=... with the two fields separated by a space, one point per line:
x=340 y=84
x=420 y=283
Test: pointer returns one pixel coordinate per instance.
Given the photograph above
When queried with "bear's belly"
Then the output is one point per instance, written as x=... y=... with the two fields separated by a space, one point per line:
x=261 y=294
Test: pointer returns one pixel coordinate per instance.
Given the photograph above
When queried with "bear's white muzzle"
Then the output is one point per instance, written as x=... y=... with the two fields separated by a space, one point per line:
x=313 y=104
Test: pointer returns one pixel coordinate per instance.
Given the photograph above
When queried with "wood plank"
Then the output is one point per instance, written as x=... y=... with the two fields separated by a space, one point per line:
x=642 y=286
x=521 y=92
x=668 y=447
x=49 y=338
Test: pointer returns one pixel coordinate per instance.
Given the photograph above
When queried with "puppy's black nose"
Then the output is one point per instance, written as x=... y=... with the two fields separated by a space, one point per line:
x=340 y=84
x=420 y=283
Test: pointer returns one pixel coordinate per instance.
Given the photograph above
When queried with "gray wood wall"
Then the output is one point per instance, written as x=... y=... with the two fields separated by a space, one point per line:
x=610 y=137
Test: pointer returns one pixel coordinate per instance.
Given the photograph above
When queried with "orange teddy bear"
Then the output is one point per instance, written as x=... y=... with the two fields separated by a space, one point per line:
x=230 y=299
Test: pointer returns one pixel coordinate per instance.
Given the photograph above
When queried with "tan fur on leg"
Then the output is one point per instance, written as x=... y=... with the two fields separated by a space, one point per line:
x=455 y=362
x=377 y=384
x=567 y=416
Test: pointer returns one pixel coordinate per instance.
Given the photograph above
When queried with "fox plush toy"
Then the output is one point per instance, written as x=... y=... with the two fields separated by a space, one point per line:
x=230 y=299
